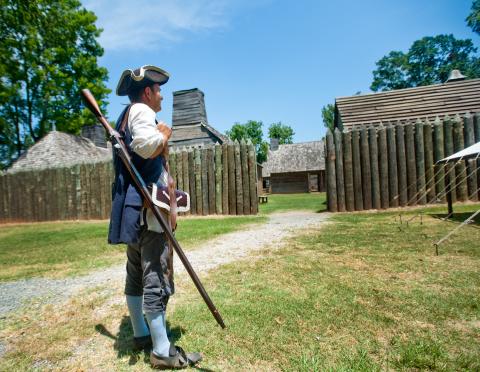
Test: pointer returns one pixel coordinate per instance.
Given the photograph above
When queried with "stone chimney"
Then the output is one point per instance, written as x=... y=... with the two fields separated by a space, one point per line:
x=273 y=144
x=96 y=134
x=455 y=75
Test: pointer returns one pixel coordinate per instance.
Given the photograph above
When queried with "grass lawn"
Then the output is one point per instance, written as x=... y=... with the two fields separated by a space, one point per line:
x=57 y=249
x=314 y=202
x=364 y=293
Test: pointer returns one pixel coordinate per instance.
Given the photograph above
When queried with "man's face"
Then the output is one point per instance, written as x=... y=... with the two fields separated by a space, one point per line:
x=153 y=98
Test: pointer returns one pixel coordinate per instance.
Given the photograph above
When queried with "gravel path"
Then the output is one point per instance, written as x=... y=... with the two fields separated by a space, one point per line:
x=211 y=254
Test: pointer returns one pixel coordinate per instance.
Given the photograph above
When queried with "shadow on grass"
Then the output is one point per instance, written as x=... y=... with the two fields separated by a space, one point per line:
x=124 y=341
x=458 y=217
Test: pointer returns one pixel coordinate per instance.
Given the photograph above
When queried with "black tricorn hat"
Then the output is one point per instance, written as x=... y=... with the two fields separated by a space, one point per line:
x=141 y=77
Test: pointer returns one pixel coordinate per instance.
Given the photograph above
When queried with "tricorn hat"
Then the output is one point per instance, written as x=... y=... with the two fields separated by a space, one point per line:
x=141 y=77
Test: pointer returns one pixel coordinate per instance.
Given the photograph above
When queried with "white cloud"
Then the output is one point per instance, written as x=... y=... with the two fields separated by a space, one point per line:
x=143 y=24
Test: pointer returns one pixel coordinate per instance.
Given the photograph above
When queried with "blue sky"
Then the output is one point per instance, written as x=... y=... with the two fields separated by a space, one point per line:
x=266 y=60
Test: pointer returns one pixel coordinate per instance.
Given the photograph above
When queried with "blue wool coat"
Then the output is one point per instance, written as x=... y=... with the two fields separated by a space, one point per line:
x=126 y=200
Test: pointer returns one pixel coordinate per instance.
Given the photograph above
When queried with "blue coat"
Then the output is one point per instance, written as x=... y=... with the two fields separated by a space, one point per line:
x=126 y=200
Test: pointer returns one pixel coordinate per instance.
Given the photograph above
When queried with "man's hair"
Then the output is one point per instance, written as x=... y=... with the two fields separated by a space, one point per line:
x=135 y=93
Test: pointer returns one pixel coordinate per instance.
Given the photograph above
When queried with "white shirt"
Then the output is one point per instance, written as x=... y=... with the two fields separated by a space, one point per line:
x=146 y=138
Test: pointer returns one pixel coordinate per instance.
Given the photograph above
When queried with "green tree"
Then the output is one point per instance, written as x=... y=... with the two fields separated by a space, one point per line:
x=328 y=116
x=473 y=20
x=48 y=52
x=250 y=130
x=428 y=61
x=283 y=132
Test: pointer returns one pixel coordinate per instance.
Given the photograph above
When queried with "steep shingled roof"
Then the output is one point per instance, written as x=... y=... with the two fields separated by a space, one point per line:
x=296 y=157
x=58 y=149
x=455 y=97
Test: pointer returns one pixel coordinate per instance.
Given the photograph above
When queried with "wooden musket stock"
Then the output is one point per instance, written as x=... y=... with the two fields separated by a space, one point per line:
x=121 y=150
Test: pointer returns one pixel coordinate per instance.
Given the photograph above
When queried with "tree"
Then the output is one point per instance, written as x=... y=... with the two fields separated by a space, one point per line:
x=250 y=130
x=473 y=20
x=328 y=116
x=48 y=52
x=284 y=133
x=428 y=61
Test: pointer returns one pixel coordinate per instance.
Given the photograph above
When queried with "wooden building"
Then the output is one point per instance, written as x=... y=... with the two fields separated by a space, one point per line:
x=190 y=126
x=456 y=96
x=295 y=168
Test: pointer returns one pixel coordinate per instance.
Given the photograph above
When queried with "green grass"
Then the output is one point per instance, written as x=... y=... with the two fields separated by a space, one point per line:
x=362 y=294
x=65 y=248
x=314 y=202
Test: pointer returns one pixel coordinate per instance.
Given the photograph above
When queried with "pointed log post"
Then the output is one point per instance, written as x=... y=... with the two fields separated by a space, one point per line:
x=438 y=154
x=476 y=129
x=205 y=189
x=392 y=167
x=383 y=166
x=411 y=163
x=357 y=170
x=339 y=170
x=186 y=174
x=252 y=175
x=373 y=145
x=471 y=164
x=348 y=172
x=420 y=162
x=218 y=179
x=225 y=191
x=331 y=176
x=179 y=164
x=449 y=169
x=232 y=193
x=192 y=181
x=460 y=169
x=366 y=170
x=238 y=179
x=402 y=166
x=429 y=173
x=198 y=181
x=245 y=178
x=211 y=179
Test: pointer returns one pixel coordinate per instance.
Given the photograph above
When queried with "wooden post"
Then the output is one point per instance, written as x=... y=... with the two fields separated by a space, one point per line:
x=339 y=171
x=211 y=180
x=218 y=179
x=238 y=178
x=198 y=181
x=348 y=172
x=232 y=196
x=357 y=170
x=383 y=166
x=392 y=167
x=411 y=164
x=449 y=169
x=331 y=176
x=366 y=170
x=460 y=169
x=429 y=171
x=401 y=165
x=186 y=174
x=438 y=154
x=205 y=190
x=179 y=163
x=225 y=191
x=372 y=143
x=476 y=129
x=252 y=175
x=420 y=162
x=471 y=164
x=192 y=181
x=172 y=163
x=245 y=178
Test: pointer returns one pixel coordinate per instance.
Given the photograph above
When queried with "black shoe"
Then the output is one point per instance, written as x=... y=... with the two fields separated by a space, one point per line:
x=142 y=343
x=177 y=359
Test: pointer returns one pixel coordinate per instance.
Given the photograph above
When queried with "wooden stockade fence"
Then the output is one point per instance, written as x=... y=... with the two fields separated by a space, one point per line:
x=394 y=165
x=220 y=179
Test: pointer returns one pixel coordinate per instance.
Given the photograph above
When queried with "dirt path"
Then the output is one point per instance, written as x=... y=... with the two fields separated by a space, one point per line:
x=211 y=254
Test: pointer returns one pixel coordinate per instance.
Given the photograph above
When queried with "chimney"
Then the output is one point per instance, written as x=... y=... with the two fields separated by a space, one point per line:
x=455 y=75
x=273 y=144
x=96 y=134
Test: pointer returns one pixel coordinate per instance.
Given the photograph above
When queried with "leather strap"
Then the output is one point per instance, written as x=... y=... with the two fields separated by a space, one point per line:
x=124 y=120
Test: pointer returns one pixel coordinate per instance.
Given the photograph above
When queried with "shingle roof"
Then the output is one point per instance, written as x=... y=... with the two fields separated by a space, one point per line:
x=296 y=157
x=408 y=104
x=58 y=149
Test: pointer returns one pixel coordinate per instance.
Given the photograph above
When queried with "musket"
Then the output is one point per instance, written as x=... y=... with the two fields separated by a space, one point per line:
x=122 y=152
